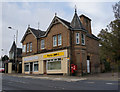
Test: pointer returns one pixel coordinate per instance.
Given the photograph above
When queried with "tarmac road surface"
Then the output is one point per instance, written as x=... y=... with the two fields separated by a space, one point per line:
x=26 y=83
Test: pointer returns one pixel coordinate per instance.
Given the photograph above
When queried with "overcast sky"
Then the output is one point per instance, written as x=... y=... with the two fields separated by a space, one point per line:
x=21 y=14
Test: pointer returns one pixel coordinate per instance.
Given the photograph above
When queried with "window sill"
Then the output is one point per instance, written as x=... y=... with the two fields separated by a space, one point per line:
x=60 y=45
x=83 y=44
x=54 y=70
x=77 y=44
x=54 y=46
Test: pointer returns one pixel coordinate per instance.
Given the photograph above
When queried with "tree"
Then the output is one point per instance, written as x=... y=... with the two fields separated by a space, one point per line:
x=5 y=58
x=116 y=10
x=110 y=38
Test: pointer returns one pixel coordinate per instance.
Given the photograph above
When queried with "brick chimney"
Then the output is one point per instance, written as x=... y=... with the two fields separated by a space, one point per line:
x=86 y=22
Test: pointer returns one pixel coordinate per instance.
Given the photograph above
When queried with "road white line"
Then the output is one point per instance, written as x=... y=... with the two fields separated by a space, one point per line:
x=109 y=83
x=12 y=81
x=90 y=82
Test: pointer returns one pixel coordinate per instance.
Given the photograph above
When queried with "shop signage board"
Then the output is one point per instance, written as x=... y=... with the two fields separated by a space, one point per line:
x=53 y=54
x=31 y=58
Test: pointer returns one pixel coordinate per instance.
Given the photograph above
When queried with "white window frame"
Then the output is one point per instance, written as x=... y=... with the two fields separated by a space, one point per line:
x=27 y=47
x=83 y=39
x=30 y=46
x=43 y=44
x=77 y=38
x=23 y=48
x=54 y=41
x=36 y=62
x=59 y=39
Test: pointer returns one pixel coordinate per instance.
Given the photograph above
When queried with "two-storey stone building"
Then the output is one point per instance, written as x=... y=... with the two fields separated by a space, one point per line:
x=64 y=43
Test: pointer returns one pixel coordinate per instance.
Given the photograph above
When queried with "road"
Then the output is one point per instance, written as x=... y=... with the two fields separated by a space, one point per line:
x=22 y=83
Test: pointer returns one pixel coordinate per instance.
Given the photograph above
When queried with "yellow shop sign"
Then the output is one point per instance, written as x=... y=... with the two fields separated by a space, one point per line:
x=53 y=55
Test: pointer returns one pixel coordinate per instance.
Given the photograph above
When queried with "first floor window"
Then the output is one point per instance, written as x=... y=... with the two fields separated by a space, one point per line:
x=59 y=39
x=26 y=67
x=42 y=44
x=30 y=46
x=83 y=39
x=36 y=66
x=55 y=40
x=77 y=38
x=54 y=65
x=27 y=47
x=23 y=48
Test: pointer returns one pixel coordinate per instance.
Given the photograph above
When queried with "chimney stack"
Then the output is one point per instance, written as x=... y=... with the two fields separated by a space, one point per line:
x=86 y=22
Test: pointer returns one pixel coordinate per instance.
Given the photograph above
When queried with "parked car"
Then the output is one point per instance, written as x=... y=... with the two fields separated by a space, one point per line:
x=2 y=69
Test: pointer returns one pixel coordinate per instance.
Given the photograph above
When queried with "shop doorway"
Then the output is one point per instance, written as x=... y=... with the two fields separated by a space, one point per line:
x=31 y=67
x=20 y=68
x=88 y=64
x=44 y=64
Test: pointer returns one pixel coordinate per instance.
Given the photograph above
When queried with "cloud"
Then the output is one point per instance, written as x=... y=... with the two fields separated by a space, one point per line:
x=20 y=15
x=0 y=28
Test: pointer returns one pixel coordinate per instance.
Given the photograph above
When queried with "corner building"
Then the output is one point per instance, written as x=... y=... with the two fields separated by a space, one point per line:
x=62 y=44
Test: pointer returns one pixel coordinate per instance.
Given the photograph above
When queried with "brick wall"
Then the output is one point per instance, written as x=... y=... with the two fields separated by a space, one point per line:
x=55 y=30
x=30 y=38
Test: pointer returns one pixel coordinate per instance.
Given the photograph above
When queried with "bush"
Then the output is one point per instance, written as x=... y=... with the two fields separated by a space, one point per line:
x=107 y=66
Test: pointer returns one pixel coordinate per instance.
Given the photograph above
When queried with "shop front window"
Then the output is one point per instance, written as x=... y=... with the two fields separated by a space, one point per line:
x=27 y=67
x=36 y=66
x=54 y=65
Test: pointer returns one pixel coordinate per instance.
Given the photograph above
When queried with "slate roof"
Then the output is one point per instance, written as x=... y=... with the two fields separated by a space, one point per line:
x=13 y=48
x=38 y=33
x=76 y=23
x=65 y=22
x=92 y=36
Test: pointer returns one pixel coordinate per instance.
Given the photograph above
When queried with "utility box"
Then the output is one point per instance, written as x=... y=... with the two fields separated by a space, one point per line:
x=9 y=67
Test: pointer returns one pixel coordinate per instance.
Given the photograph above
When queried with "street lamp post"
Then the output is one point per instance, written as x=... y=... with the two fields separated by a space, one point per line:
x=16 y=45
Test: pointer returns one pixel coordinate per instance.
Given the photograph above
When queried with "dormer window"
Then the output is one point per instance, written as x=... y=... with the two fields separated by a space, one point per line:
x=42 y=44
x=30 y=46
x=54 y=41
x=24 y=48
x=59 y=40
x=27 y=47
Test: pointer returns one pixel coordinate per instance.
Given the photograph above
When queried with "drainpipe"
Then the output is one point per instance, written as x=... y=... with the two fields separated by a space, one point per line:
x=70 y=61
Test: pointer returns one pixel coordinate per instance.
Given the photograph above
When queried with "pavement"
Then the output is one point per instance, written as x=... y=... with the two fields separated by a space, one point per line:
x=99 y=76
